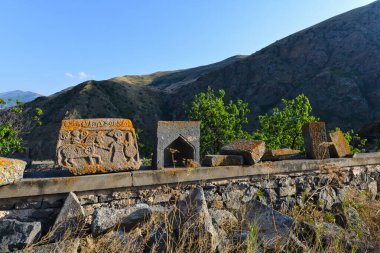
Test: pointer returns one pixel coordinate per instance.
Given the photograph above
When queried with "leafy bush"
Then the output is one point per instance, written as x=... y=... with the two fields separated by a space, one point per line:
x=283 y=128
x=221 y=122
x=10 y=140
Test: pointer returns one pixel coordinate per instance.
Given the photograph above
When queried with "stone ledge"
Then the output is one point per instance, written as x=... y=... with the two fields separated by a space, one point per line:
x=47 y=186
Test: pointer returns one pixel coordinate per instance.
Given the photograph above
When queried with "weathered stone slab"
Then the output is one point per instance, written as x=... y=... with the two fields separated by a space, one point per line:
x=192 y=215
x=252 y=151
x=222 y=160
x=17 y=235
x=340 y=146
x=176 y=142
x=105 y=219
x=274 y=228
x=11 y=170
x=88 y=146
x=70 y=218
x=281 y=154
x=315 y=138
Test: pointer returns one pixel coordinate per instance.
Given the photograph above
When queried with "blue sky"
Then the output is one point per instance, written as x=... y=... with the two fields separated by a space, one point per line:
x=46 y=46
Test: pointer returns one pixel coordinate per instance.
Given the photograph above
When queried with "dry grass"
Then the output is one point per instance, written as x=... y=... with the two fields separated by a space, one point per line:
x=242 y=236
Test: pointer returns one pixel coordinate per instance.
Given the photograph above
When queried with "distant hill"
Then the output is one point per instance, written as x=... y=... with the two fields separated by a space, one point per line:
x=335 y=63
x=23 y=96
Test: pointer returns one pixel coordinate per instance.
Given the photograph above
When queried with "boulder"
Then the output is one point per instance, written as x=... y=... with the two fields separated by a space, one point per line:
x=281 y=154
x=251 y=150
x=105 y=218
x=17 y=235
x=70 y=219
x=340 y=146
x=11 y=170
x=222 y=160
x=315 y=138
x=223 y=219
x=274 y=228
x=192 y=217
x=348 y=218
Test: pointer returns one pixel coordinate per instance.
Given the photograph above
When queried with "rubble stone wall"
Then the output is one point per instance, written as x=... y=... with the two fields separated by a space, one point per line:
x=324 y=186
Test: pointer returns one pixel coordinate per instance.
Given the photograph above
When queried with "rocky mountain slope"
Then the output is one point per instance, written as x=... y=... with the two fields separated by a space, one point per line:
x=336 y=63
x=23 y=96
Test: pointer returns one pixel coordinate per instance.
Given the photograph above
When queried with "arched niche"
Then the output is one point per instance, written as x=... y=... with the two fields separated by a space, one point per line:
x=180 y=150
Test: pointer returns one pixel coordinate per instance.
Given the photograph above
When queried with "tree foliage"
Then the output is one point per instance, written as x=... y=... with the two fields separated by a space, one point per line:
x=10 y=140
x=283 y=127
x=221 y=122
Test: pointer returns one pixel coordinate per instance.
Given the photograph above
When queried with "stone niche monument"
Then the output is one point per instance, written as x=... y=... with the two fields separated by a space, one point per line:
x=177 y=141
x=88 y=146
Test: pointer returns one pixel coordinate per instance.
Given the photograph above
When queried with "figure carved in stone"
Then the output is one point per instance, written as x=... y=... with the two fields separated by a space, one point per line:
x=97 y=145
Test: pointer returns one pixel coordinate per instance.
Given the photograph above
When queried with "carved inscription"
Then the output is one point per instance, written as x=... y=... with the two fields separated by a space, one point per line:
x=89 y=146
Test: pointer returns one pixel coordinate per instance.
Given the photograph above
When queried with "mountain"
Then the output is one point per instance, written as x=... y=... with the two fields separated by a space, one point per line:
x=336 y=64
x=23 y=96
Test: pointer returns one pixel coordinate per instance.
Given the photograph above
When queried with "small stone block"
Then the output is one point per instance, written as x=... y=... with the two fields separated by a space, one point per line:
x=252 y=151
x=340 y=147
x=222 y=160
x=315 y=138
x=11 y=170
x=88 y=146
x=281 y=154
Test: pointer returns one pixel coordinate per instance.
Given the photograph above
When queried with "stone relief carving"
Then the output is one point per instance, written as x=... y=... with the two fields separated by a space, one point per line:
x=89 y=146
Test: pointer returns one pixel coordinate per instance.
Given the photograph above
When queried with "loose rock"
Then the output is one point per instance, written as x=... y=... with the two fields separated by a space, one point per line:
x=273 y=226
x=222 y=160
x=281 y=154
x=340 y=146
x=192 y=214
x=11 y=170
x=104 y=219
x=70 y=218
x=17 y=235
x=252 y=151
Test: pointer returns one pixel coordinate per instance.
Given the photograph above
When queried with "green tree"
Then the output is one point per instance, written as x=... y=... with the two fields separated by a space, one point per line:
x=221 y=122
x=10 y=140
x=283 y=128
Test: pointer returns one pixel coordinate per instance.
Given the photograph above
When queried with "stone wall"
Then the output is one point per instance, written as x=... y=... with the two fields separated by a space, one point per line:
x=282 y=191
x=325 y=183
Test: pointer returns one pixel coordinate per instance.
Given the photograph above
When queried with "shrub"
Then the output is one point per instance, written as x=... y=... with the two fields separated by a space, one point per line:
x=10 y=140
x=221 y=122
x=283 y=128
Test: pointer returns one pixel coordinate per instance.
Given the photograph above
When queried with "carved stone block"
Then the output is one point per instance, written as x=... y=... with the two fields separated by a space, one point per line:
x=315 y=138
x=88 y=146
x=177 y=143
